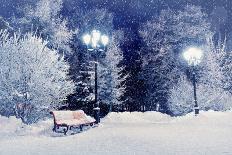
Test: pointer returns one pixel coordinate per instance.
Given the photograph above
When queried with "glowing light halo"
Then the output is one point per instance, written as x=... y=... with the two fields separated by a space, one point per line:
x=104 y=40
x=96 y=35
x=193 y=55
x=95 y=38
x=87 y=39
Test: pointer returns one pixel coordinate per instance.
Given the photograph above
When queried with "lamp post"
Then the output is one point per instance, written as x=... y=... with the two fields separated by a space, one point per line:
x=193 y=57
x=96 y=42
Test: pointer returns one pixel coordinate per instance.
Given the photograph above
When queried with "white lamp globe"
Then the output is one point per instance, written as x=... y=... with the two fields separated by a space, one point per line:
x=96 y=35
x=193 y=55
x=105 y=40
x=87 y=39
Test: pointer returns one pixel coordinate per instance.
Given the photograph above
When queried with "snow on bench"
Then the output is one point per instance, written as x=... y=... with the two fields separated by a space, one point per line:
x=71 y=119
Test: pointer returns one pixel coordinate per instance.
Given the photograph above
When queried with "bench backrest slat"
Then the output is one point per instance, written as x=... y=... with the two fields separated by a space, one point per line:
x=68 y=115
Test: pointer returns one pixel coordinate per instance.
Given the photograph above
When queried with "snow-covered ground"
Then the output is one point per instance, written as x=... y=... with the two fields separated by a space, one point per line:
x=124 y=133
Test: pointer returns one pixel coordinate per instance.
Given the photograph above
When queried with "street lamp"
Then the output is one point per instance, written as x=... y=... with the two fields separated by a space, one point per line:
x=96 y=42
x=193 y=56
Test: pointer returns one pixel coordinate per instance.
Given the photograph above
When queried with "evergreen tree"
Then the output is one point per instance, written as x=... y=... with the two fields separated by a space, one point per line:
x=108 y=61
x=158 y=59
x=110 y=80
x=132 y=99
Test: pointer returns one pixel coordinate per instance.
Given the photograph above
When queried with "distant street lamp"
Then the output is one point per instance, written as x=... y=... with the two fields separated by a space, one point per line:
x=96 y=42
x=193 y=56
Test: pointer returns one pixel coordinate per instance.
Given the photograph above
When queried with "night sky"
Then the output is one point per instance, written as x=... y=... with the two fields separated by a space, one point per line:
x=130 y=13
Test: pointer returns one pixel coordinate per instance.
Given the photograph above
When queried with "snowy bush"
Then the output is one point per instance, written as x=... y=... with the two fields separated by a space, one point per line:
x=33 y=77
x=181 y=97
x=209 y=97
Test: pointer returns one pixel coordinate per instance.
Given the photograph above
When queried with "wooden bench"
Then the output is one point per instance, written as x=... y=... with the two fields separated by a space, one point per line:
x=70 y=119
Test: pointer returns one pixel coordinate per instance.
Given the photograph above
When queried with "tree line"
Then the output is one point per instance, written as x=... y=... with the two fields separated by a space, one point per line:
x=141 y=70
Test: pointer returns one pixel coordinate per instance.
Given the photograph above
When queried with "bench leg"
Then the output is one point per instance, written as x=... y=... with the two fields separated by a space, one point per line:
x=81 y=127
x=66 y=130
x=54 y=128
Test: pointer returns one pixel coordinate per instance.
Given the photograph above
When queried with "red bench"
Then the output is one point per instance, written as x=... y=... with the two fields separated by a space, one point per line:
x=70 y=119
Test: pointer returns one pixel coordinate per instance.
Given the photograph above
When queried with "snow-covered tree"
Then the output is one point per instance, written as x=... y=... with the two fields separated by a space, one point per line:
x=33 y=77
x=223 y=67
x=217 y=67
x=103 y=20
x=158 y=59
x=132 y=98
x=45 y=18
x=81 y=59
x=108 y=60
x=227 y=71
x=165 y=36
x=212 y=64
x=191 y=26
x=211 y=92
x=4 y=24
x=110 y=80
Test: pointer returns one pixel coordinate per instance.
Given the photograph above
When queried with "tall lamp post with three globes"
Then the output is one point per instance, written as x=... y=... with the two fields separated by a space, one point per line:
x=96 y=42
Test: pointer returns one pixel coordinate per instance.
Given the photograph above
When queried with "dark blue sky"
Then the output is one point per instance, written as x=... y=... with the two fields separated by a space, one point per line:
x=129 y=13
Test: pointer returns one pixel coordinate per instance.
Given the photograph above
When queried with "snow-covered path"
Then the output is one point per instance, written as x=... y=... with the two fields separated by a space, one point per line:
x=135 y=133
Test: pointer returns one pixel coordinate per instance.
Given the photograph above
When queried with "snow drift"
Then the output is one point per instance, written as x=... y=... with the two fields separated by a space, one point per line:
x=125 y=134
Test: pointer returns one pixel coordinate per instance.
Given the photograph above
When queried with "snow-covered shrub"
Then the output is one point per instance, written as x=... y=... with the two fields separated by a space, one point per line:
x=181 y=99
x=213 y=98
x=33 y=77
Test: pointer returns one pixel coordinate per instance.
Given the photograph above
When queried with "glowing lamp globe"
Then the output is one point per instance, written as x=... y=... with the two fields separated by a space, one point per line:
x=95 y=40
x=94 y=43
x=87 y=39
x=104 y=40
x=193 y=55
x=96 y=35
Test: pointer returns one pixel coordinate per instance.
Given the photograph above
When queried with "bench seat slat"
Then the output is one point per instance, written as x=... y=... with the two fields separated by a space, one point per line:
x=72 y=118
x=71 y=122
